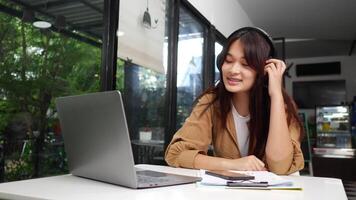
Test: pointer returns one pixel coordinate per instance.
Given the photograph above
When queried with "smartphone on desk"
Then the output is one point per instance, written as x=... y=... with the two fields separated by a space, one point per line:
x=229 y=175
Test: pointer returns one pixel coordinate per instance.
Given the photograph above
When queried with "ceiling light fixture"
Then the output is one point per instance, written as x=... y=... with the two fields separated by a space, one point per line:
x=42 y=24
x=146 y=21
x=28 y=16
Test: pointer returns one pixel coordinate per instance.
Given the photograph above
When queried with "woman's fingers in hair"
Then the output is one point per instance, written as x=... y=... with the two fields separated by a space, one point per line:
x=279 y=65
x=270 y=67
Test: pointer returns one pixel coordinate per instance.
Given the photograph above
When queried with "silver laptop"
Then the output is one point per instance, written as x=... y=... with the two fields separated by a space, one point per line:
x=97 y=142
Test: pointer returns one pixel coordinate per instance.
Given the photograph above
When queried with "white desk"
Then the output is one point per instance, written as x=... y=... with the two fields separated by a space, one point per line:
x=71 y=187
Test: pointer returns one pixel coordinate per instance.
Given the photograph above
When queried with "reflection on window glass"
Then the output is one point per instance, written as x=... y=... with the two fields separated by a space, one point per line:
x=143 y=69
x=144 y=98
x=218 y=49
x=36 y=66
x=189 y=69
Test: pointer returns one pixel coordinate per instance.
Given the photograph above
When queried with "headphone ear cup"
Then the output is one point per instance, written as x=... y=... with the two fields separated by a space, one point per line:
x=219 y=60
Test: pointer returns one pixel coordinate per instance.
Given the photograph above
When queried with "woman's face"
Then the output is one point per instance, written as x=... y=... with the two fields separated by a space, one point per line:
x=237 y=75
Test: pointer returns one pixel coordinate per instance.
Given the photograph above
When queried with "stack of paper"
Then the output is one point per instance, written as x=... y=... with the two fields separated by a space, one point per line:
x=274 y=181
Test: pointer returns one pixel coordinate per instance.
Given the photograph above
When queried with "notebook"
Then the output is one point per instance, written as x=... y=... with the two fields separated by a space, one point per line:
x=263 y=180
x=98 y=145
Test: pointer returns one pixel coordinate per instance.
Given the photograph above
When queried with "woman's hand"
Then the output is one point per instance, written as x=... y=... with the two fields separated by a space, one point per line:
x=275 y=69
x=248 y=163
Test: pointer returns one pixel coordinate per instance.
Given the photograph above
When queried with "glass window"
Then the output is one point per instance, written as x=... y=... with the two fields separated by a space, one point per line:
x=142 y=53
x=38 y=64
x=218 y=49
x=189 y=69
x=144 y=98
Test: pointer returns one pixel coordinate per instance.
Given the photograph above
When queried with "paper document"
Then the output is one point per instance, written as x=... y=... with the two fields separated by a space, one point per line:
x=274 y=181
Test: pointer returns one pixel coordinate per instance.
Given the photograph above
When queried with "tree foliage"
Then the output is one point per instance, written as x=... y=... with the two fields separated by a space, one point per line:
x=36 y=66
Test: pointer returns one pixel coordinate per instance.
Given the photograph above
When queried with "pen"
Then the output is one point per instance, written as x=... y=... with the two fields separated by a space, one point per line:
x=247 y=184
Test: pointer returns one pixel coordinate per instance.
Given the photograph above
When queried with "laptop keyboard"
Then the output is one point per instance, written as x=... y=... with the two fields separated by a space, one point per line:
x=150 y=173
x=148 y=176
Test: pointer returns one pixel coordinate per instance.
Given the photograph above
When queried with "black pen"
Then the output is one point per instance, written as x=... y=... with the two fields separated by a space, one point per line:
x=247 y=184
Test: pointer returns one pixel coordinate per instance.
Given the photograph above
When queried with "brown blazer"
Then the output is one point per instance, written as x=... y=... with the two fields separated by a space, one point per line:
x=199 y=131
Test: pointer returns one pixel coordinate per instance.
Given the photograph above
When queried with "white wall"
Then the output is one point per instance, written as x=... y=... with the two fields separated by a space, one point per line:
x=228 y=15
x=348 y=73
x=144 y=46
x=225 y=15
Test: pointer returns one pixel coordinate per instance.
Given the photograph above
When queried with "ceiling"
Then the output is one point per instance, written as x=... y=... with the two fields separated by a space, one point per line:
x=326 y=27
x=84 y=18
x=329 y=26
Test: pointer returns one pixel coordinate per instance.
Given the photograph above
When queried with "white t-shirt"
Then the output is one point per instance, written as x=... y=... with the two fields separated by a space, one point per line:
x=243 y=134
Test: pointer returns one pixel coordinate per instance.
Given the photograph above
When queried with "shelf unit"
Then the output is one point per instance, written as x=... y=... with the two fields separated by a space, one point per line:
x=333 y=126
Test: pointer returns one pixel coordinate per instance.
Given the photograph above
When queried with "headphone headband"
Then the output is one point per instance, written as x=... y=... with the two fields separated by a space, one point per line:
x=239 y=32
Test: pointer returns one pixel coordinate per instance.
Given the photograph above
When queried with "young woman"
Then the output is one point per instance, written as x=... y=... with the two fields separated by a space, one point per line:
x=248 y=118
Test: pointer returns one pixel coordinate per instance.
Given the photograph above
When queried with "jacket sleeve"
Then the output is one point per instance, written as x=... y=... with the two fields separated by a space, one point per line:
x=293 y=162
x=193 y=137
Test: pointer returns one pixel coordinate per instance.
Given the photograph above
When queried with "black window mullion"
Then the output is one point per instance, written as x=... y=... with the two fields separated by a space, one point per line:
x=109 y=48
x=171 y=98
x=209 y=57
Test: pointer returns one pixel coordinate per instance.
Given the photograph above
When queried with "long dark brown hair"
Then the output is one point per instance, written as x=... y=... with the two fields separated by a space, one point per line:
x=256 y=52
